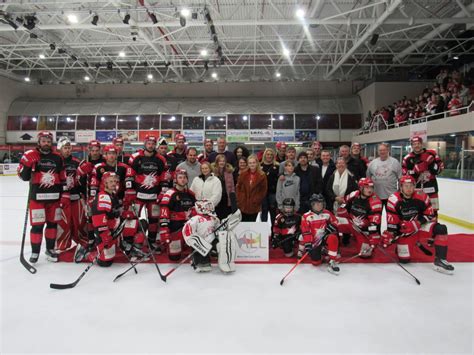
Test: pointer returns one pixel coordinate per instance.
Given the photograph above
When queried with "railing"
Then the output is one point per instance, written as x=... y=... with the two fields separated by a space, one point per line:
x=378 y=123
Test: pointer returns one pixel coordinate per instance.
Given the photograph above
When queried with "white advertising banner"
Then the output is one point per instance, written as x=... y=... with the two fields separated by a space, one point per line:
x=419 y=129
x=25 y=136
x=85 y=136
x=252 y=241
x=8 y=169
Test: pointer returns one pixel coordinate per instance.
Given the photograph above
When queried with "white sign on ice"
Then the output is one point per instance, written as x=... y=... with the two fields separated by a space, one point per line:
x=252 y=241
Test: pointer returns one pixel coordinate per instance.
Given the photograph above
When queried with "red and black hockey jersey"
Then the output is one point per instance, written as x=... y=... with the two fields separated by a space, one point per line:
x=149 y=173
x=125 y=173
x=424 y=167
x=367 y=210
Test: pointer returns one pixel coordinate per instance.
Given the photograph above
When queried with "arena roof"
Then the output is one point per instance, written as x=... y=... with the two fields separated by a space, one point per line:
x=50 y=41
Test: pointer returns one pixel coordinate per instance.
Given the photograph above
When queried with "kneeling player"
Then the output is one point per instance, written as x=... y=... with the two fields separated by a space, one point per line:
x=105 y=209
x=411 y=216
x=286 y=229
x=361 y=217
x=318 y=228
x=203 y=231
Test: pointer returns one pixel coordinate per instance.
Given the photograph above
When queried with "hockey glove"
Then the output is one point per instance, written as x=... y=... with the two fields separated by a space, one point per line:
x=409 y=227
x=30 y=158
x=374 y=240
x=342 y=212
x=387 y=238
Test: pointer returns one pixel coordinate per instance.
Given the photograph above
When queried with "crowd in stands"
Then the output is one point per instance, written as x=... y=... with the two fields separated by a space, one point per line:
x=449 y=92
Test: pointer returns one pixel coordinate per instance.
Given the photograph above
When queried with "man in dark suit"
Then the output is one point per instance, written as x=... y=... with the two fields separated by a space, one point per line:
x=327 y=169
x=310 y=181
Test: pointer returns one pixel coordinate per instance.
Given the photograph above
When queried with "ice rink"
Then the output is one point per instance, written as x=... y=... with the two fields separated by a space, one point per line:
x=374 y=308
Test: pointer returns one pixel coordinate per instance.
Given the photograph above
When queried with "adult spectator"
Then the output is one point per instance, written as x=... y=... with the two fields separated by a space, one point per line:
x=340 y=184
x=178 y=154
x=191 y=165
x=311 y=159
x=356 y=150
x=327 y=169
x=452 y=162
x=270 y=167
x=241 y=166
x=223 y=171
x=281 y=152
x=385 y=171
x=290 y=155
x=289 y=187
x=251 y=190
x=221 y=149
x=241 y=151
x=355 y=166
x=207 y=186
x=317 y=147
x=310 y=181
x=208 y=150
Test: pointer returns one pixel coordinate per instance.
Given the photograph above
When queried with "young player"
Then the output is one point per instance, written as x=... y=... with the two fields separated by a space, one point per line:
x=44 y=169
x=318 y=234
x=150 y=168
x=410 y=217
x=286 y=228
x=175 y=209
x=361 y=217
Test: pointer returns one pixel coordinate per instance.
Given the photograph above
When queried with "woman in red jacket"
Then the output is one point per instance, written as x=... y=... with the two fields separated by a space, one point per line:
x=251 y=190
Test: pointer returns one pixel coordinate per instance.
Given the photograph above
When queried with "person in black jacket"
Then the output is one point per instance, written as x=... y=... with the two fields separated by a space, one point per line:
x=270 y=167
x=340 y=184
x=310 y=181
x=356 y=166
x=327 y=169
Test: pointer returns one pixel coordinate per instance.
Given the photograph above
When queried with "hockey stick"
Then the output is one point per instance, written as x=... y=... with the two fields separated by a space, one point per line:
x=278 y=243
x=222 y=225
x=389 y=256
x=23 y=261
x=294 y=267
x=73 y=284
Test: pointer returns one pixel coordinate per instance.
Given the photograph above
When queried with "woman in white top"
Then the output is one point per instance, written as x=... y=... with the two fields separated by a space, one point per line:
x=207 y=186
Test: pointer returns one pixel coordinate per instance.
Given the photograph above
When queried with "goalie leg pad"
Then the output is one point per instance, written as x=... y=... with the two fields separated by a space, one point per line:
x=201 y=245
x=227 y=251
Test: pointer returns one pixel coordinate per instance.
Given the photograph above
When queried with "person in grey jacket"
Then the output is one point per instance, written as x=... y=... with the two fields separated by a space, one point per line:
x=289 y=186
x=191 y=164
x=385 y=171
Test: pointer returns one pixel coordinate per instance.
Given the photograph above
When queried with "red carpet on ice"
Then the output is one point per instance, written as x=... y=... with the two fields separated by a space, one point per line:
x=461 y=249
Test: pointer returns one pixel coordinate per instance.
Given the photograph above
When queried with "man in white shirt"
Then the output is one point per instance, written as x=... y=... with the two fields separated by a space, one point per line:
x=385 y=172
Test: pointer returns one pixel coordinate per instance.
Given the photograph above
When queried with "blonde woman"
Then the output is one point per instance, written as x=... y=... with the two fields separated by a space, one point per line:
x=223 y=171
x=270 y=167
x=251 y=190
x=207 y=186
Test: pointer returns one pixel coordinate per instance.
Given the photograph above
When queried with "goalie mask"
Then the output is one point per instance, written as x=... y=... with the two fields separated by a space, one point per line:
x=204 y=207
x=288 y=206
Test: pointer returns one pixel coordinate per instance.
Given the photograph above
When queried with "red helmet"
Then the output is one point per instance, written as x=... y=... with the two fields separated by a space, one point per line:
x=179 y=136
x=407 y=178
x=117 y=140
x=150 y=137
x=110 y=148
x=365 y=182
x=94 y=143
x=109 y=174
x=281 y=145
x=45 y=134
x=416 y=139
x=180 y=172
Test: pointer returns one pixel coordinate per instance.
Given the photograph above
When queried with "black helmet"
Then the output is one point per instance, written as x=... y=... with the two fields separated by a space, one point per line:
x=316 y=198
x=288 y=206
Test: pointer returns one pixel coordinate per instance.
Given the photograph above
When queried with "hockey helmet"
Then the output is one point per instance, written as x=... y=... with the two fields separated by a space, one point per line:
x=365 y=182
x=407 y=179
x=162 y=141
x=204 y=207
x=416 y=139
x=117 y=140
x=288 y=206
x=180 y=172
x=94 y=143
x=179 y=136
x=62 y=141
x=110 y=148
x=109 y=174
x=45 y=134
x=281 y=145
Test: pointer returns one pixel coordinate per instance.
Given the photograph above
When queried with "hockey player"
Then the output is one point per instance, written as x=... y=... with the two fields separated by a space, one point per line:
x=44 y=169
x=119 y=145
x=84 y=175
x=175 y=209
x=167 y=181
x=410 y=217
x=361 y=216
x=126 y=195
x=150 y=168
x=424 y=165
x=69 y=225
x=178 y=154
x=286 y=228
x=105 y=209
x=318 y=231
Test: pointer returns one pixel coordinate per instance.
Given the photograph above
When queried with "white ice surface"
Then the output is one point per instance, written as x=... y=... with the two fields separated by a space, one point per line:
x=374 y=308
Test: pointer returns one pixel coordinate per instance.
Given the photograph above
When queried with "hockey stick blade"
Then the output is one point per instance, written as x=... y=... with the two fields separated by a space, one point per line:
x=23 y=261
x=294 y=267
x=27 y=266
x=73 y=284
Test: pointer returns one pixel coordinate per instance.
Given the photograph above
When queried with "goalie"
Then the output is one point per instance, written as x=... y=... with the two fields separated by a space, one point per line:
x=203 y=231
